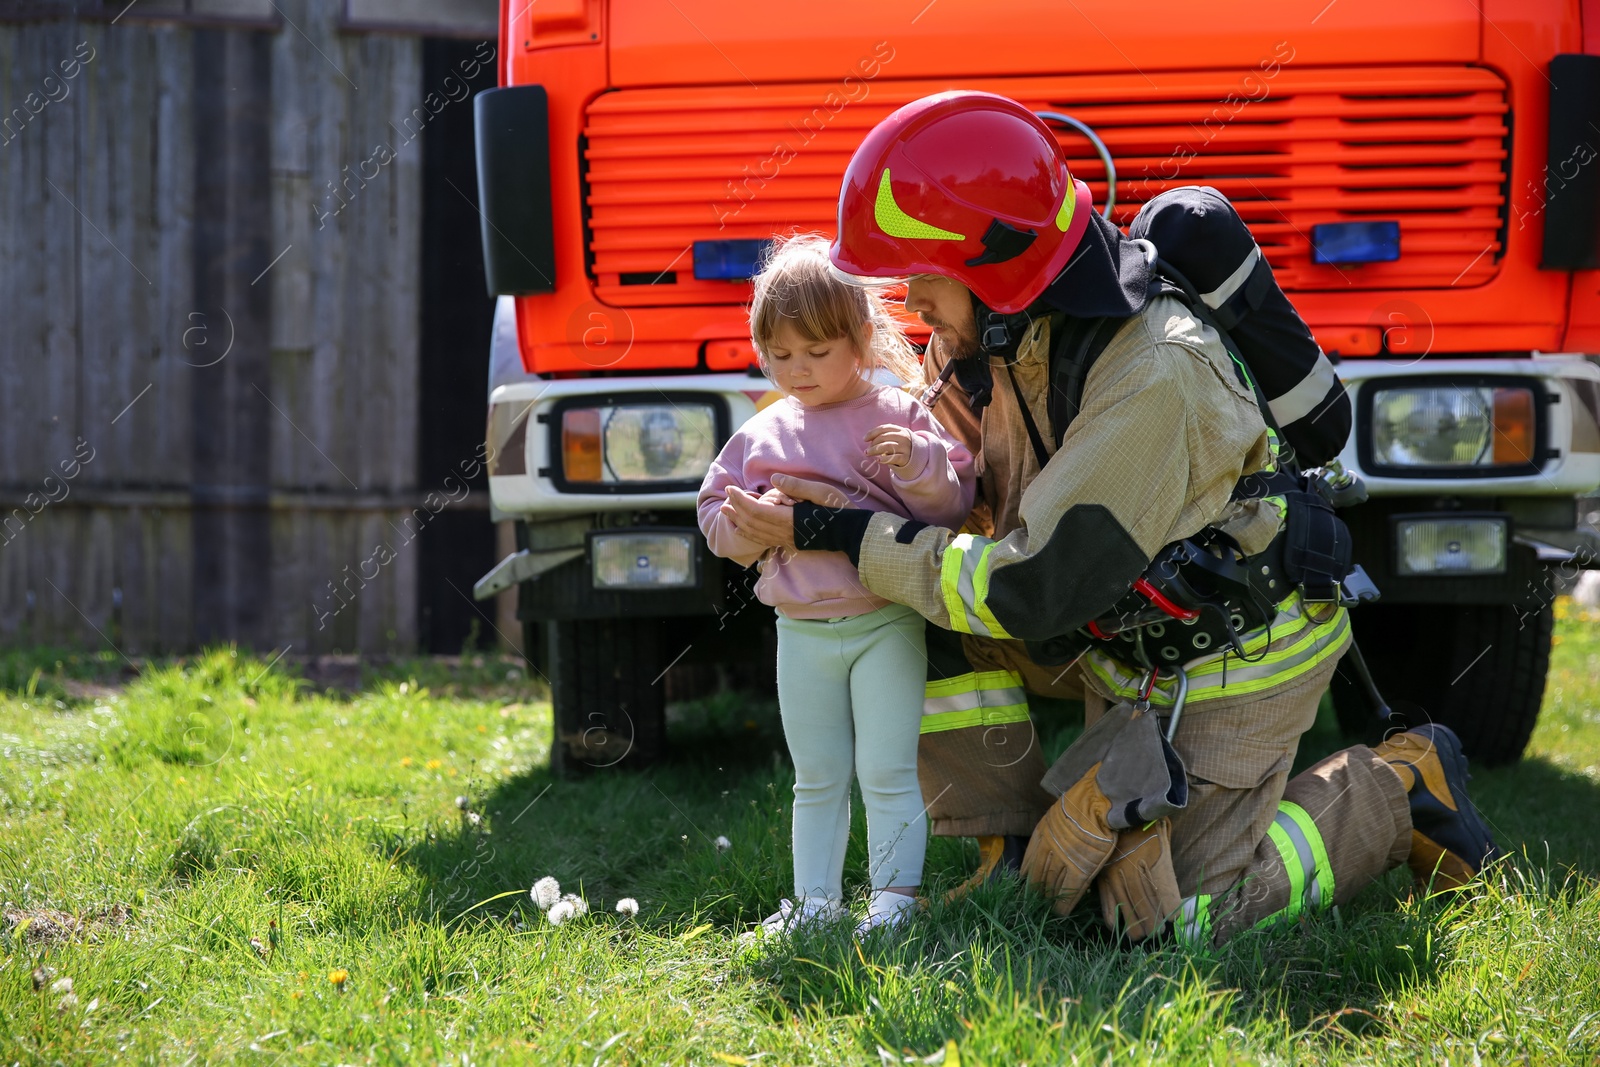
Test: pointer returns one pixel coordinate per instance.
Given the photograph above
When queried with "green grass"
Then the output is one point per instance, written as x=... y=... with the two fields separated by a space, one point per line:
x=152 y=824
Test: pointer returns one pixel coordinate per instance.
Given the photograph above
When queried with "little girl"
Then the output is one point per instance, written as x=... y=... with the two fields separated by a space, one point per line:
x=851 y=665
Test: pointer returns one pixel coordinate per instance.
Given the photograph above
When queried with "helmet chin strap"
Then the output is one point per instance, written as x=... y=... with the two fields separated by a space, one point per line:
x=998 y=334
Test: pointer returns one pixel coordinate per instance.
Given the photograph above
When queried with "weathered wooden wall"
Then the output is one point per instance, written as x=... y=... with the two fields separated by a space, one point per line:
x=253 y=430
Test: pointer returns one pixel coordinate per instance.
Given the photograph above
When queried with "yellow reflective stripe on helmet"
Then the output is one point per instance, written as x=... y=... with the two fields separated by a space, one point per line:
x=964 y=584
x=893 y=220
x=978 y=698
x=1069 y=204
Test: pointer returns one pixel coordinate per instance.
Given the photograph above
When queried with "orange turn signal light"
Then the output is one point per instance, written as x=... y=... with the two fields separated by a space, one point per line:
x=580 y=445
x=1514 y=426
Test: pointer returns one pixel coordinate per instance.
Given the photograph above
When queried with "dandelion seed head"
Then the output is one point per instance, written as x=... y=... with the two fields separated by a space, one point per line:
x=61 y=985
x=559 y=912
x=546 y=892
x=474 y=818
x=463 y=803
x=580 y=907
x=627 y=907
x=67 y=1003
x=722 y=843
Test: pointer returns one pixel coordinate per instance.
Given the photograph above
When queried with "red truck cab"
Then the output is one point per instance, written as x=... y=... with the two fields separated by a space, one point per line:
x=640 y=154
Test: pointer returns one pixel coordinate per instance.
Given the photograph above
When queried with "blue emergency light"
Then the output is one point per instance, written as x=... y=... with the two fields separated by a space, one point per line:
x=732 y=260
x=1355 y=242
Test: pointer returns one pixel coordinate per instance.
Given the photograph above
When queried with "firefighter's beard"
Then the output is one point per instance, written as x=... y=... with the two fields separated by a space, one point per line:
x=955 y=344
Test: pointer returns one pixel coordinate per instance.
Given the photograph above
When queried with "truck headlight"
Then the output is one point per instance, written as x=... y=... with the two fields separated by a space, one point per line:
x=653 y=559
x=1449 y=545
x=638 y=445
x=1459 y=426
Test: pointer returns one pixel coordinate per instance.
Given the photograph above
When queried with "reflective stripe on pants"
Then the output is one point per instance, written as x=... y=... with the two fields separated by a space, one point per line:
x=977 y=698
x=1305 y=861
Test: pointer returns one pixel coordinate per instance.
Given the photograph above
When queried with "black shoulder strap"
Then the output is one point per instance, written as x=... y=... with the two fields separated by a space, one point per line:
x=1178 y=286
x=1034 y=437
x=1085 y=340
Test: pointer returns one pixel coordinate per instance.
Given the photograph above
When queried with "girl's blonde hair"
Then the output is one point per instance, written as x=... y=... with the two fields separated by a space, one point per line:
x=797 y=284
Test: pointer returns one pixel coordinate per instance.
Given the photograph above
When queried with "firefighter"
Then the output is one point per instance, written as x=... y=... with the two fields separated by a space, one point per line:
x=967 y=195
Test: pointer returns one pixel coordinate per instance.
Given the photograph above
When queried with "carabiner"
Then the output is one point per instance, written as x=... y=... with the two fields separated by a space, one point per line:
x=1147 y=685
x=1178 y=700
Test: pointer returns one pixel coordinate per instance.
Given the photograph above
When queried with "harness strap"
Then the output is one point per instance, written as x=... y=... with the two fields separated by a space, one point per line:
x=1034 y=436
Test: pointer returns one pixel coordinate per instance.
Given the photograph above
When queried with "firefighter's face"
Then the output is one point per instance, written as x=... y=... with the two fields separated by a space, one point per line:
x=814 y=372
x=945 y=305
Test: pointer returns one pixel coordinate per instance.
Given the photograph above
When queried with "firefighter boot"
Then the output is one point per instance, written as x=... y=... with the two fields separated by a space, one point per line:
x=995 y=854
x=1450 y=842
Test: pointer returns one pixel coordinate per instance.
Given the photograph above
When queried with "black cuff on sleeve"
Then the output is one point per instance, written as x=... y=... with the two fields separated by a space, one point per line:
x=820 y=529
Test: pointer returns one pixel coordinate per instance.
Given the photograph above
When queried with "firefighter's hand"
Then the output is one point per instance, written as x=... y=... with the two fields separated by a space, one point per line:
x=890 y=445
x=763 y=522
x=807 y=489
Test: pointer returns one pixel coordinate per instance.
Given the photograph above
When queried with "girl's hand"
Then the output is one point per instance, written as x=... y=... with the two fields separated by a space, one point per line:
x=813 y=491
x=764 y=522
x=890 y=445
x=777 y=496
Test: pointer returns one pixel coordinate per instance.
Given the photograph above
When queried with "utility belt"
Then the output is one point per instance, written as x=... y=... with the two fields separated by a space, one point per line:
x=1202 y=594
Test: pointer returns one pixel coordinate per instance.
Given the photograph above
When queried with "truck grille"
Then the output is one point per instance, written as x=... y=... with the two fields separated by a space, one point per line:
x=1422 y=145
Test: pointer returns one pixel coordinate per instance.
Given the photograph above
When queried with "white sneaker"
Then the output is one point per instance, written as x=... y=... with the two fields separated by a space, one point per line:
x=886 y=911
x=790 y=917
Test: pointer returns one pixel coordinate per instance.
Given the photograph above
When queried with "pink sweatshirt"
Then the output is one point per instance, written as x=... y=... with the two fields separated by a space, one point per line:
x=828 y=444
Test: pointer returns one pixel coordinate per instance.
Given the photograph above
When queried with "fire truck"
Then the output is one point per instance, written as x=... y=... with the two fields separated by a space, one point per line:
x=1421 y=177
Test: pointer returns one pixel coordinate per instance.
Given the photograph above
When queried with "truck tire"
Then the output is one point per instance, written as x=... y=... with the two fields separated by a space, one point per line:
x=1478 y=668
x=608 y=706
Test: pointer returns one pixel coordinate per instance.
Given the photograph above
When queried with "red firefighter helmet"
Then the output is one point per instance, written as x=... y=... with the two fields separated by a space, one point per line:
x=965 y=184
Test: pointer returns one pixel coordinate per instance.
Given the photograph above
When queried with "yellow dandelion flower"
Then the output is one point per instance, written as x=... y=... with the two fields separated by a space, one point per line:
x=451 y=772
x=405 y=761
x=298 y=993
x=435 y=764
x=338 y=975
x=482 y=729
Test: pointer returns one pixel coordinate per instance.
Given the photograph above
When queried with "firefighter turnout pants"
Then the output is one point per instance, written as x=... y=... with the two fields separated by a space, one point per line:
x=1252 y=846
x=978 y=757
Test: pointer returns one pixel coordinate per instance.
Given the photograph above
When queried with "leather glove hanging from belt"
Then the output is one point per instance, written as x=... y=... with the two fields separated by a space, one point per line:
x=1117 y=784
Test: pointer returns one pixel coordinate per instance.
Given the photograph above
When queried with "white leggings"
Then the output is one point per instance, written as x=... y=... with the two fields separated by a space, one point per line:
x=851 y=697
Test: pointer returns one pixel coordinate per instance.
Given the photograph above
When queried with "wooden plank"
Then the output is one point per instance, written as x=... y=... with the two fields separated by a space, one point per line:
x=232 y=417
x=330 y=334
x=114 y=271
x=179 y=356
x=318 y=401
